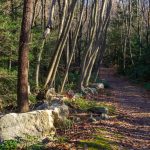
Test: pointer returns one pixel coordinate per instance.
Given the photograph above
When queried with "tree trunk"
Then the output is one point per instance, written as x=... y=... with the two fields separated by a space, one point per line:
x=92 y=38
x=60 y=46
x=22 y=93
x=73 y=48
x=46 y=33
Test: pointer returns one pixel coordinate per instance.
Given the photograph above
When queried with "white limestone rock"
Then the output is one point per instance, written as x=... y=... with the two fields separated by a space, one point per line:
x=39 y=123
x=36 y=123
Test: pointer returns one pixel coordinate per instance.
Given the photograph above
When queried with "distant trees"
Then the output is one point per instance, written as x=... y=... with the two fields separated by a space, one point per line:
x=23 y=59
x=128 y=38
x=98 y=24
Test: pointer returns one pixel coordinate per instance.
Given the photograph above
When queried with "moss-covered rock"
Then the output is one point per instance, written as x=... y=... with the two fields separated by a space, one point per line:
x=98 y=110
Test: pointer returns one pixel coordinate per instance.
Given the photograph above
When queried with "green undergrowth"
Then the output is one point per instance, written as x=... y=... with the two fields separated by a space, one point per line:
x=8 y=84
x=16 y=145
x=84 y=104
x=8 y=89
x=97 y=142
x=9 y=145
x=29 y=143
x=7 y=81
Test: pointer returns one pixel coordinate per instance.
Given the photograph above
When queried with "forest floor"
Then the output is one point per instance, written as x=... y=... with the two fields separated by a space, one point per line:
x=133 y=106
x=128 y=129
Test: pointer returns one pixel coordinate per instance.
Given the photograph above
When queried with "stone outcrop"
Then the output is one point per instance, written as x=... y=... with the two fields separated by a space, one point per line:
x=38 y=123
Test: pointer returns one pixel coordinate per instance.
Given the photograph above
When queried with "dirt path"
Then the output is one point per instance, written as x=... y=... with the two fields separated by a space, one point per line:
x=126 y=129
x=133 y=106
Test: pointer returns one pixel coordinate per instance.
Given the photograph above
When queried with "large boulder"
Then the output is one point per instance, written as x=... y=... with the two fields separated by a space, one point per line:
x=38 y=123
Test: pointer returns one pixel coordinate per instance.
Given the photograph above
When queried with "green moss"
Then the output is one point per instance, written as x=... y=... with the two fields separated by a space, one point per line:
x=96 y=143
x=84 y=104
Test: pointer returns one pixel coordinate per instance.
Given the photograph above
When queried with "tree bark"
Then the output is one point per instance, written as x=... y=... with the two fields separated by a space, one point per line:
x=92 y=38
x=22 y=91
x=46 y=33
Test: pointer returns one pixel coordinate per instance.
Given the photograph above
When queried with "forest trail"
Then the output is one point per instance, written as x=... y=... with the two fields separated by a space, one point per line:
x=133 y=106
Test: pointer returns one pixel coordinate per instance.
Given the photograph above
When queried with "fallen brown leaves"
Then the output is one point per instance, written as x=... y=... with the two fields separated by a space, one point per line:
x=129 y=130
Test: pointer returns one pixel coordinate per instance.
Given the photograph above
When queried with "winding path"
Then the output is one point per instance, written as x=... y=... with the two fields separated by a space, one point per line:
x=133 y=106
